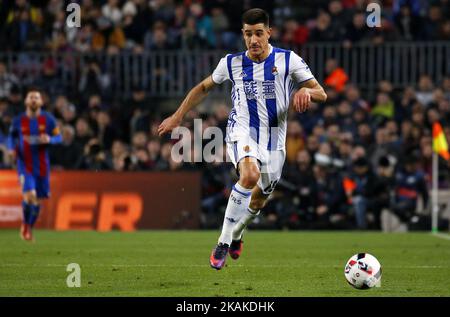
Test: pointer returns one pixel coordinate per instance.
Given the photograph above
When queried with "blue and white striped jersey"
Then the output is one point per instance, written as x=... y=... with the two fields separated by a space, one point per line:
x=260 y=94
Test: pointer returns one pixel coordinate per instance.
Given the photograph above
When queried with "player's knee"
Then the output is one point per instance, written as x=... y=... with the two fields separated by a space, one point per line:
x=249 y=177
x=30 y=197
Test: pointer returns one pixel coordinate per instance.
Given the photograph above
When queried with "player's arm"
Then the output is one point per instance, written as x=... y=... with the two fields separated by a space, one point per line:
x=11 y=141
x=193 y=98
x=310 y=90
x=54 y=137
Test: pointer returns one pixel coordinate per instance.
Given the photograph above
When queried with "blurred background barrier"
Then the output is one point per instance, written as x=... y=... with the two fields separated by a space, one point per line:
x=105 y=201
x=170 y=74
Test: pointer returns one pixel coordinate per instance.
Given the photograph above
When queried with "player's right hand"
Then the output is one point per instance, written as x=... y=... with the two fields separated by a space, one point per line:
x=302 y=100
x=168 y=125
x=44 y=139
x=12 y=156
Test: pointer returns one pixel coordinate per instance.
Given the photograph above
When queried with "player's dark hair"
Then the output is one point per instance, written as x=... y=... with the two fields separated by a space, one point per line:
x=255 y=16
x=33 y=89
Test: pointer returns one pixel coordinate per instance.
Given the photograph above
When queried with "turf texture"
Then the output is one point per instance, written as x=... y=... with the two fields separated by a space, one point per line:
x=176 y=263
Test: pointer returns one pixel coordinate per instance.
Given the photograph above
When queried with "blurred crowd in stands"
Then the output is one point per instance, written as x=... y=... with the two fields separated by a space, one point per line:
x=138 y=25
x=347 y=159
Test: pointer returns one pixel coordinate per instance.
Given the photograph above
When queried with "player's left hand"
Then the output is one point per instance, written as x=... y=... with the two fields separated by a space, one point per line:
x=302 y=100
x=44 y=139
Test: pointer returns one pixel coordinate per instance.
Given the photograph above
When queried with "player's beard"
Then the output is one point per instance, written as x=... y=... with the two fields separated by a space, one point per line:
x=34 y=107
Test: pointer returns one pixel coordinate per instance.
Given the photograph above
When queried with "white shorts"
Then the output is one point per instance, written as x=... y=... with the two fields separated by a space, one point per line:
x=270 y=162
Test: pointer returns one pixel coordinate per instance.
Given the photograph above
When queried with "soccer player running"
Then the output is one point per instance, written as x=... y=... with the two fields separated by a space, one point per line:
x=29 y=138
x=263 y=81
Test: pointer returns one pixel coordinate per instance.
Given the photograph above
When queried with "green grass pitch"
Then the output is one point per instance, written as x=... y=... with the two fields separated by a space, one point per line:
x=176 y=263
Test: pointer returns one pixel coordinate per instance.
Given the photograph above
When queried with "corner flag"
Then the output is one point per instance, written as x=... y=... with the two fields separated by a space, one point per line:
x=440 y=144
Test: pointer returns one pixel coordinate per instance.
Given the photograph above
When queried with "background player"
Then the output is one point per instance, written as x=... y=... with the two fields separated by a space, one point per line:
x=30 y=135
x=263 y=79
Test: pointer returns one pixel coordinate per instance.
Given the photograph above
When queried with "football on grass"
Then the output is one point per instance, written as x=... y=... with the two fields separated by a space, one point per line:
x=363 y=271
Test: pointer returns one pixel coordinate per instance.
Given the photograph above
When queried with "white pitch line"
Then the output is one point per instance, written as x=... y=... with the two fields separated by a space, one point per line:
x=441 y=235
x=205 y=265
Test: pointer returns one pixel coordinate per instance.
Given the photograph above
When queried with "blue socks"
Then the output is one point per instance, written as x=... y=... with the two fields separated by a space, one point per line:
x=30 y=213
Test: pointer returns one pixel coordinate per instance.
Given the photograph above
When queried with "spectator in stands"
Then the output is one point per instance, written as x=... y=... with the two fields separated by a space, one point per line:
x=424 y=92
x=300 y=190
x=69 y=114
x=364 y=135
x=387 y=32
x=106 y=132
x=336 y=76
x=383 y=109
x=157 y=39
x=83 y=132
x=344 y=117
x=339 y=18
x=154 y=152
x=330 y=208
x=431 y=26
x=131 y=26
x=407 y=23
x=362 y=191
x=294 y=140
x=344 y=149
x=204 y=24
x=190 y=37
x=48 y=80
x=93 y=81
x=7 y=81
x=62 y=155
x=111 y=11
x=15 y=100
x=5 y=121
x=323 y=31
x=162 y=9
x=294 y=34
x=116 y=155
x=353 y=95
x=22 y=32
x=93 y=158
x=357 y=30
x=410 y=184
x=139 y=141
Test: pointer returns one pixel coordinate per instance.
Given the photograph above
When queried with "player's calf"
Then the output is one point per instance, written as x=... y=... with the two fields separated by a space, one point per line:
x=31 y=209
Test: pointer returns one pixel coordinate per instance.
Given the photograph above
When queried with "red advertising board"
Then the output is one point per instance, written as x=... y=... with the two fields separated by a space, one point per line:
x=109 y=200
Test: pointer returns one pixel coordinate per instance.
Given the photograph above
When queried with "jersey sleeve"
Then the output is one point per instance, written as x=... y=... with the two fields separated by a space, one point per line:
x=53 y=128
x=220 y=74
x=299 y=70
x=13 y=135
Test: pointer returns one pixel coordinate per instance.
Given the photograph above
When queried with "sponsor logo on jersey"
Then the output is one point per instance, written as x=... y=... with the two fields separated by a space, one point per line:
x=274 y=71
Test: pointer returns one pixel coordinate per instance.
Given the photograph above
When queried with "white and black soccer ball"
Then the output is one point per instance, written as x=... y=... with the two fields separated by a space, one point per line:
x=363 y=271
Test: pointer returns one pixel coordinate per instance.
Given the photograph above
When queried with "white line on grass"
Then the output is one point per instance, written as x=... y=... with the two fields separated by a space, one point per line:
x=441 y=235
x=205 y=265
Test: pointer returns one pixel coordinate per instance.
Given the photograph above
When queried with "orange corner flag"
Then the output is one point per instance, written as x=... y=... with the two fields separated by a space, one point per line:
x=440 y=144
